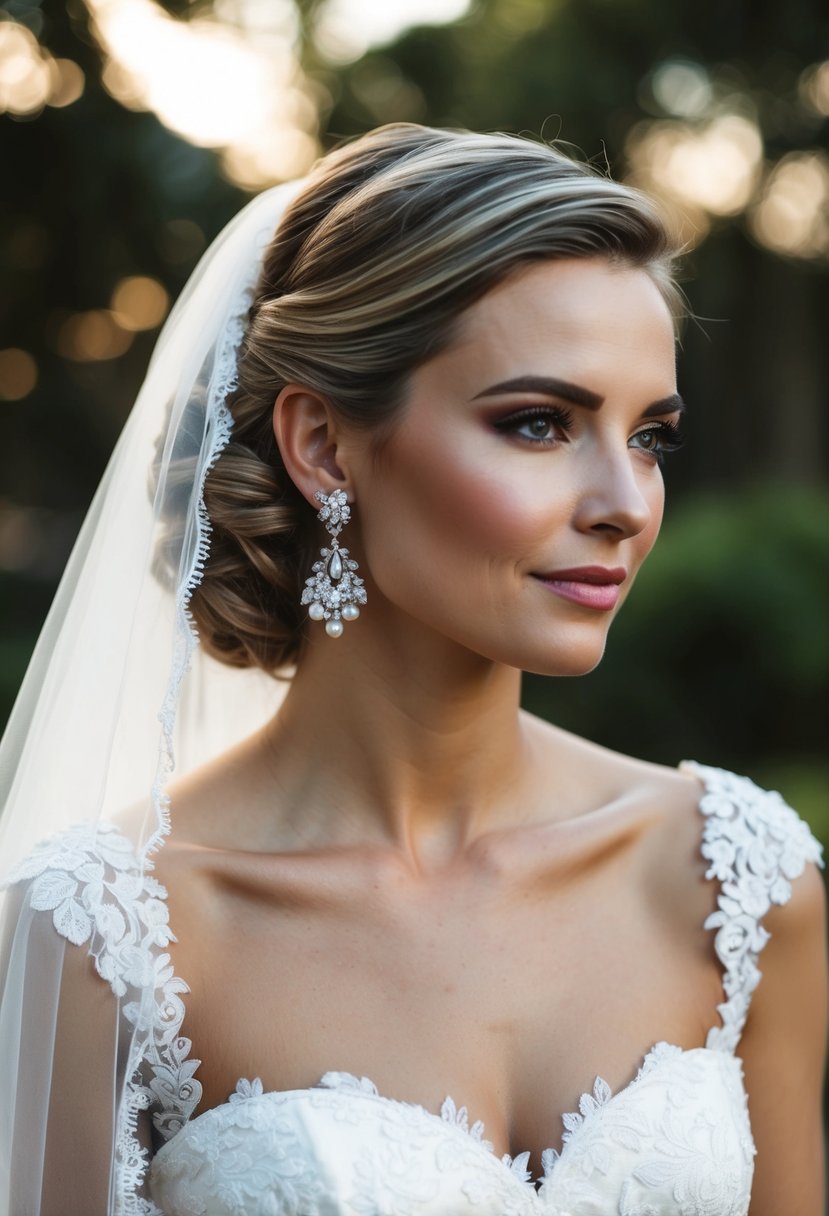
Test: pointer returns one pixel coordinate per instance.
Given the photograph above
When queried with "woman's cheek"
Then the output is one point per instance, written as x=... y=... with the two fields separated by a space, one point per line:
x=479 y=511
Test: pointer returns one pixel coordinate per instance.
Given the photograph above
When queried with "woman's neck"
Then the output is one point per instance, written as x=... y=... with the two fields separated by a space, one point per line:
x=416 y=745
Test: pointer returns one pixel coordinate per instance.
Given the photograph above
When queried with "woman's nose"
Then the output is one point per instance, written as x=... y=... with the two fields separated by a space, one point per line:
x=612 y=500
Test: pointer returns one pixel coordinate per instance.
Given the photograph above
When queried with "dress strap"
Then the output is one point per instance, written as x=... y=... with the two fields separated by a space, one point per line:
x=755 y=845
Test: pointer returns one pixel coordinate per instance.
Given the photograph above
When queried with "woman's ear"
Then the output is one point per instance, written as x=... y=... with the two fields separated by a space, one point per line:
x=306 y=433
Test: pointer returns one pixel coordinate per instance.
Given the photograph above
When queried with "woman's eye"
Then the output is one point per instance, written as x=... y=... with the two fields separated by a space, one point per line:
x=538 y=426
x=649 y=440
x=659 y=439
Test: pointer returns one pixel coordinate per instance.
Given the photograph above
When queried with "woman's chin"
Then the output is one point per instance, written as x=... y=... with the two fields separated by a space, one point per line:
x=576 y=660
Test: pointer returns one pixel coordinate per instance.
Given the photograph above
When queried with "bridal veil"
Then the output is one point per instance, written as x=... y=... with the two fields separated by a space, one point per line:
x=116 y=696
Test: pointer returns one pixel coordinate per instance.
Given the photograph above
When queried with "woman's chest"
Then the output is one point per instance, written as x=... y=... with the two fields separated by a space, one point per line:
x=511 y=1004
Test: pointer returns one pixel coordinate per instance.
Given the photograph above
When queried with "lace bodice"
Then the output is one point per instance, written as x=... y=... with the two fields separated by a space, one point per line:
x=676 y=1141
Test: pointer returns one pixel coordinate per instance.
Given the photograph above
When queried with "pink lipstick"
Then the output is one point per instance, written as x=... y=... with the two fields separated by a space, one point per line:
x=591 y=586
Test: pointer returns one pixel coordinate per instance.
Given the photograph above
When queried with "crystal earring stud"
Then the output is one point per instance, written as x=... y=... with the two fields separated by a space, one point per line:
x=334 y=590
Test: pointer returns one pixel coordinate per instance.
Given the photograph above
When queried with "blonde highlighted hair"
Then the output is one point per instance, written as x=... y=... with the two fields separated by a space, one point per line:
x=393 y=237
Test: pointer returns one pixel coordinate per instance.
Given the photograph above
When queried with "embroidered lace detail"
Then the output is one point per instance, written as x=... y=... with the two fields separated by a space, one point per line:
x=246 y=1089
x=347 y=1080
x=459 y=1116
x=756 y=844
x=592 y=1103
x=675 y=1142
x=92 y=883
x=450 y=1112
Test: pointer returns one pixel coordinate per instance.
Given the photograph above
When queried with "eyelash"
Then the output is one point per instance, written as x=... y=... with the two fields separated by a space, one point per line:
x=561 y=417
x=669 y=437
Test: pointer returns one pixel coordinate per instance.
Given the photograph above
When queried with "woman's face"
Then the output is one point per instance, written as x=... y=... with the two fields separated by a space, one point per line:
x=521 y=489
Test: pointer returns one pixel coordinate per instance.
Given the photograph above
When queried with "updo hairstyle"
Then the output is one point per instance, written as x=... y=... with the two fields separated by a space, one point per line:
x=393 y=237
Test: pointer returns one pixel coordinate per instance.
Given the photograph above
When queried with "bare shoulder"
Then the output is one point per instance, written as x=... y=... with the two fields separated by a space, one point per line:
x=657 y=805
x=590 y=776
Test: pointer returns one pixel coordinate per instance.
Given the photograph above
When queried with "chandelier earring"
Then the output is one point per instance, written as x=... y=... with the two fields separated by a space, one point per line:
x=334 y=590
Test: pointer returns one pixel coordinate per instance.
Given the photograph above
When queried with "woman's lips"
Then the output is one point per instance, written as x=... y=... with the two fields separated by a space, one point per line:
x=590 y=586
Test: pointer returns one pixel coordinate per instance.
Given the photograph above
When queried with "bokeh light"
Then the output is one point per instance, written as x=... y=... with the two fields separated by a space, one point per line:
x=29 y=77
x=707 y=169
x=89 y=337
x=18 y=374
x=814 y=87
x=682 y=87
x=139 y=302
x=25 y=79
x=345 y=29
x=792 y=216
x=232 y=84
x=67 y=82
x=231 y=79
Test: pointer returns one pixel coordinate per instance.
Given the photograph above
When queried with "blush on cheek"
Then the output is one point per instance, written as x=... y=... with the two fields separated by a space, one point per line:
x=454 y=491
x=482 y=512
x=438 y=522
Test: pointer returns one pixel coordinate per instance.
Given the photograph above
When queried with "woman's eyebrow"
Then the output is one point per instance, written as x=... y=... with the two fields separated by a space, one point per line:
x=668 y=405
x=549 y=387
x=576 y=393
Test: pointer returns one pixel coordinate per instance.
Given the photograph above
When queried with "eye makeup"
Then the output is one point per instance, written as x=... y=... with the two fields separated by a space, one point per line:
x=544 y=415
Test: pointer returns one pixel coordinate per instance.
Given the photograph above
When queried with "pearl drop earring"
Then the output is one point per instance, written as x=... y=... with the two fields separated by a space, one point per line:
x=334 y=590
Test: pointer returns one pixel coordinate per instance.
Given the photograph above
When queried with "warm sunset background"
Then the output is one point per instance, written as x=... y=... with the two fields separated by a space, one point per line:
x=132 y=130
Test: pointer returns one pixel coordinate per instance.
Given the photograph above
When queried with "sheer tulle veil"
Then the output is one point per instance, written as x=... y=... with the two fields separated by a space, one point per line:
x=118 y=695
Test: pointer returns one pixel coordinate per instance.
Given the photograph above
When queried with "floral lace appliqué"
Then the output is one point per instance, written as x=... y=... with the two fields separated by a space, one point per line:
x=89 y=879
x=755 y=845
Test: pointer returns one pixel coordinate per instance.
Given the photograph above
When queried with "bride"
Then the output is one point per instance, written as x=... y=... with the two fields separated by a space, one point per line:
x=383 y=944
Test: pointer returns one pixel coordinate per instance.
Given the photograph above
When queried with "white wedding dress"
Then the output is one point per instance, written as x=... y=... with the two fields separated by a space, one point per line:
x=676 y=1141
